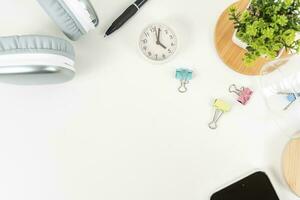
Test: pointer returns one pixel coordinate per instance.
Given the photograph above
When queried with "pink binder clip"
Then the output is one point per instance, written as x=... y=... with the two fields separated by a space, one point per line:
x=244 y=94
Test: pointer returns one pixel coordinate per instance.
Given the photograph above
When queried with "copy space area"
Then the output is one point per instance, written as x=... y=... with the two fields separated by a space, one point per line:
x=120 y=129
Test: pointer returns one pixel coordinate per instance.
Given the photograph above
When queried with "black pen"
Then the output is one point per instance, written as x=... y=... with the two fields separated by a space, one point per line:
x=127 y=14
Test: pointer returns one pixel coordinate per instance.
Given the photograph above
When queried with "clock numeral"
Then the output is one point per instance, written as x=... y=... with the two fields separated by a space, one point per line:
x=171 y=37
x=145 y=48
x=169 y=50
x=164 y=56
x=147 y=34
x=145 y=41
x=156 y=56
x=153 y=29
x=172 y=44
x=149 y=53
x=167 y=32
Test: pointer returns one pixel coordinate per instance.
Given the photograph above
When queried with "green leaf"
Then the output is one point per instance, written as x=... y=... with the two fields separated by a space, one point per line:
x=267 y=26
x=251 y=30
x=289 y=37
x=288 y=3
x=282 y=20
x=268 y=33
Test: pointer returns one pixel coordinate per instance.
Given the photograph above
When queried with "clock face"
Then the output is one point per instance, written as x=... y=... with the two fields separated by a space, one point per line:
x=158 y=42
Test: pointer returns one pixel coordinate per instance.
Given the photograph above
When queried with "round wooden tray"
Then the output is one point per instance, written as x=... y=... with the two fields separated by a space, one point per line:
x=231 y=54
x=291 y=165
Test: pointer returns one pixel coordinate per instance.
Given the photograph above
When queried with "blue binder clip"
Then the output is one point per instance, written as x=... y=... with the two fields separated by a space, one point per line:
x=291 y=97
x=184 y=75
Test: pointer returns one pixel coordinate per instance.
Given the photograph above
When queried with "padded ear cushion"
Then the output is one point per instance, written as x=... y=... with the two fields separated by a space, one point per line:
x=36 y=44
x=36 y=60
x=63 y=17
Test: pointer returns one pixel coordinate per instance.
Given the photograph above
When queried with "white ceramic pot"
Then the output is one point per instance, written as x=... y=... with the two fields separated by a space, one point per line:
x=244 y=45
x=237 y=41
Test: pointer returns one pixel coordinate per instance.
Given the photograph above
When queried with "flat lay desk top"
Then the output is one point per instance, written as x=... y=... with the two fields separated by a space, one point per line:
x=120 y=129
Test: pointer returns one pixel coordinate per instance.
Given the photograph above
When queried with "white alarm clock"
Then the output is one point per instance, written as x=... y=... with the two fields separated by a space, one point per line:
x=158 y=43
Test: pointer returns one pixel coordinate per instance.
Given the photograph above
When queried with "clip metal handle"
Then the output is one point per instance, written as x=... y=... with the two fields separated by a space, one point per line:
x=233 y=89
x=183 y=86
x=291 y=97
x=221 y=108
x=214 y=123
x=289 y=105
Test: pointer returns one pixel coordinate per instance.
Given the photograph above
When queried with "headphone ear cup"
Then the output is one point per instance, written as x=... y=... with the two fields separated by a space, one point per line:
x=36 y=59
x=61 y=14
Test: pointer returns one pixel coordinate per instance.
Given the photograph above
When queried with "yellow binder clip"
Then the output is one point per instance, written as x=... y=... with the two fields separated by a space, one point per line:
x=221 y=108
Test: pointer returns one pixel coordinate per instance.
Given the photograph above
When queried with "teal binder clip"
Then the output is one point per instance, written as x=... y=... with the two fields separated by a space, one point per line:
x=184 y=75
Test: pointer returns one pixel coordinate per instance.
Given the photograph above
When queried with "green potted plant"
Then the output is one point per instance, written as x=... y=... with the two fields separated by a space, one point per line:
x=267 y=28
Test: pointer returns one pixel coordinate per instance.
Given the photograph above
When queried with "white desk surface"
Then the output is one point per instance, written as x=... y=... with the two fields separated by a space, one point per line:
x=121 y=130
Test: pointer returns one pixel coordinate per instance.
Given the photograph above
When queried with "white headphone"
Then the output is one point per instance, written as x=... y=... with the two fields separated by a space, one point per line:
x=36 y=59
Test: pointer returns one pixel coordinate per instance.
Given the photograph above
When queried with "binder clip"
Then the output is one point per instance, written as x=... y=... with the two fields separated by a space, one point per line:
x=184 y=75
x=291 y=97
x=221 y=108
x=244 y=94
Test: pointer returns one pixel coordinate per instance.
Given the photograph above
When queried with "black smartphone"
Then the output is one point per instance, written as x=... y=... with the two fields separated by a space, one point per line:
x=257 y=186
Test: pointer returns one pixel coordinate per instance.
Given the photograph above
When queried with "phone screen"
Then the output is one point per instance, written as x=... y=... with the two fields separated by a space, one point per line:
x=254 y=187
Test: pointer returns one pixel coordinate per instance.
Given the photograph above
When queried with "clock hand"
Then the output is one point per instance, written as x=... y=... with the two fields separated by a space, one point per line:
x=158 y=39
x=157 y=36
x=163 y=46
